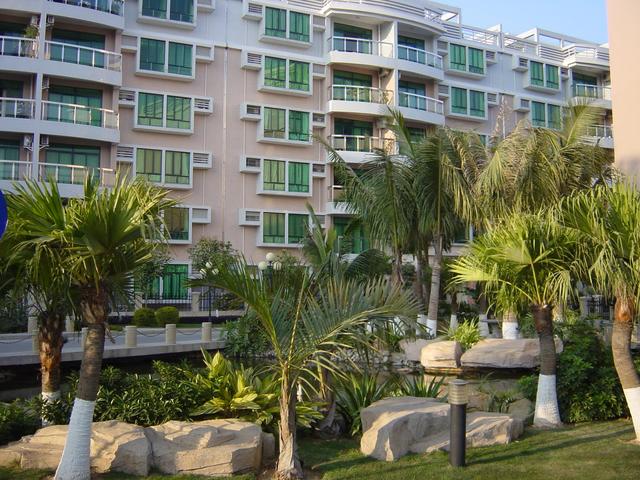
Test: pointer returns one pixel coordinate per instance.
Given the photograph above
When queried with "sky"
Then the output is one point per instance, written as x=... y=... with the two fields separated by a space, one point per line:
x=586 y=19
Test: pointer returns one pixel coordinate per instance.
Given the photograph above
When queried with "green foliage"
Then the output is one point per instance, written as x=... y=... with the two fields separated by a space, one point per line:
x=166 y=315
x=245 y=337
x=587 y=384
x=144 y=317
x=212 y=251
x=151 y=270
x=499 y=400
x=419 y=387
x=13 y=314
x=467 y=334
x=16 y=420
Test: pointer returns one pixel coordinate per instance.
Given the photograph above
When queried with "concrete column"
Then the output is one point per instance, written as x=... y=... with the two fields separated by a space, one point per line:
x=69 y=324
x=83 y=337
x=130 y=336
x=195 y=301
x=32 y=325
x=170 y=334
x=206 y=332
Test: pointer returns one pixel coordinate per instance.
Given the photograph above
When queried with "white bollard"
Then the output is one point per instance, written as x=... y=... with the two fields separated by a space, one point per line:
x=170 y=333
x=83 y=337
x=483 y=326
x=453 y=322
x=130 y=336
x=32 y=324
x=69 y=324
x=206 y=332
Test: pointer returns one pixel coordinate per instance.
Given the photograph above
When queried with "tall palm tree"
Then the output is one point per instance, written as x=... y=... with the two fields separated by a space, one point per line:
x=307 y=317
x=105 y=240
x=607 y=220
x=526 y=261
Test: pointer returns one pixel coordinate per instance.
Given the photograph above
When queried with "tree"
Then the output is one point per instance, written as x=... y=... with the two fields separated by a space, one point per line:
x=607 y=222
x=151 y=271
x=527 y=261
x=306 y=318
x=210 y=250
x=104 y=240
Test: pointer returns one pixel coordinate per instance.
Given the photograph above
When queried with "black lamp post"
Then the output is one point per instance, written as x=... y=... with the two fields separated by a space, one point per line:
x=458 y=399
x=206 y=272
x=268 y=266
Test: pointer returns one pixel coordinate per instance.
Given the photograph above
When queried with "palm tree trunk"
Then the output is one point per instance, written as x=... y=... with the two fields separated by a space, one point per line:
x=75 y=463
x=328 y=424
x=396 y=272
x=510 y=325
x=50 y=350
x=434 y=293
x=547 y=413
x=624 y=314
x=289 y=466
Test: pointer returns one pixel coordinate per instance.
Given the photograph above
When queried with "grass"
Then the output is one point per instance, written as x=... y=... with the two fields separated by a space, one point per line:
x=583 y=452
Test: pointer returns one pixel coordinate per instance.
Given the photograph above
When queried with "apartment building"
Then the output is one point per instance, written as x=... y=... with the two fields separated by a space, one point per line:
x=221 y=101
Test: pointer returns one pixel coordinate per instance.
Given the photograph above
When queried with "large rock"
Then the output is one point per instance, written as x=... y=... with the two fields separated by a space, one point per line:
x=115 y=446
x=504 y=353
x=445 y=354
x=394 y=427
x=212 y=447
x=412 y=348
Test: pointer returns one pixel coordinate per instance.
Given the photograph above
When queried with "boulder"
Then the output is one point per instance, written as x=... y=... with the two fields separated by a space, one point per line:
x=394 y=427
x=412 y=348
x=445 y=354
x=505 y=353
x=212 y=447
x=115 y=446
x=268 y=448
x=522 y=409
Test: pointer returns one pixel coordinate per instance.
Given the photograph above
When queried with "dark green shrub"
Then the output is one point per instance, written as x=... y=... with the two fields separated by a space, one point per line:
x=17 y=419
x=144 y=317
x=166 y=315
x=419 y=387
x=467 y=334
x=245 y=337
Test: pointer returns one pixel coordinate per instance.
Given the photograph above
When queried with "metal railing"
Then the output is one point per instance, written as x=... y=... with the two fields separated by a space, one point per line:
x=418 y=55
x=421 y=102
x=587 y=52
x=92 y=57
x=115 y=7
x=79 y=114
x=361 y=45
x=352 y=93
x=455 y=30
x=356 y=143
x=14 y=170
x=336 y=193
x=600 y=131
x=591 y=91
x=74 y=174
x=17 y=107
x=18 y=47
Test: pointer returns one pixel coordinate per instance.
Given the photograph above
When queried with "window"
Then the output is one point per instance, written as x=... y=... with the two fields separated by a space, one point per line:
x=298 y=225
x=355 y=241
x=536 y=70
x=299 y=76
x=273 y=227
x=299 y=26
x=275 y=72
x=179 y=10
x=476 y=60
x=411 y=49
x=554 y=116
x=552 y=80
x=458 y=100
x=180 y=58
x=62 y=154
x=168 y=111
x=468 y=102
x=352 y=135
x=417 y=134
x=546 y=115
x=538 y=118
x=298 y=126
x=298 y=177
x=9 y=152
x=177 y=222
x=466 y=59
x=152 y=54
x=68 y=53
x=273 y=175
x=154 y=8
x=412 y=95
x=351 y=86
x=274 y=122
x=457 y=57
x=149 y=164
x=71 y=98
x=155 y=57
x=174 y=282
x=347 y=38
x=178 y=112
x=150 y=109
x=476 y=103
x=275 y=24
x=177 y=168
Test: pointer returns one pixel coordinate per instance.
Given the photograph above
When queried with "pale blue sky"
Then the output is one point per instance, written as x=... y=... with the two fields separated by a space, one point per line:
x=584 y=19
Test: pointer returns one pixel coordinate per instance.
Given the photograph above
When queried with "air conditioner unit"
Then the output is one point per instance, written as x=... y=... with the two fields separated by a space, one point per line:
x=202 y=105
x=319 y=120
x=249 y=218
x=253 y=11
x=125 y=152
x=520 y=64
x=319 y=23
x=319 y=70
x=27 y=142
x=127 y=97
x=490 y=56
x=318 y=170
x=442 y=46
x=45 y=83
x=521 y=104
x=200 y=215
x=492 y=98
x=250 y=164
x=250 y=112
x=44 y=141
x=50 y=21
x=252 y=61
x=564 y=72
x=201 y=159
x=443 y=90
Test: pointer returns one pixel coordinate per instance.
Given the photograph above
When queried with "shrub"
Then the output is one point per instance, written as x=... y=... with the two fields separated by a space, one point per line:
x=244 y=337
x=144 y=317
x=17 y=419
x=166 y=315
x=467 y=334
x=418 y=387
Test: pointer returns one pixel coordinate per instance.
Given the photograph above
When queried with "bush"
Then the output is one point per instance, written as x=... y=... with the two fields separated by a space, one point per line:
x=144 y=317
x=467 y=334
x=17 y=419
x=166 y=315
x=244 y=337
x=418 y=387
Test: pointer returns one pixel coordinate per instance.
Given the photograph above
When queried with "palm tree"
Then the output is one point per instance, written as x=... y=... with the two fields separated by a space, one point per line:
x=526 y=262
x=105 y=240
x=307 y=318
x=607 y=220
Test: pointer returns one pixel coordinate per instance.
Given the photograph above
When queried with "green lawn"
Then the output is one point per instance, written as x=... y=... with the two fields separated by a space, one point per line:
x=586 y=452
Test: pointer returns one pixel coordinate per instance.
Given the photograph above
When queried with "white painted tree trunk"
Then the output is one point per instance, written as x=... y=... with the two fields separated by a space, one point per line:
x=75 y=463
x=48 y=397
x=547 y=413
x=483 y=326
x=432 y=327
x=510 y=329
x=633 y=402
x=453 y=322
x=422 y=323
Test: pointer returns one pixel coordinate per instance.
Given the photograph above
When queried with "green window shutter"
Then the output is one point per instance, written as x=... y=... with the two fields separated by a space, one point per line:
x=553 y=80
x=178 y=112
x=275 y=72
x=61 y=154
x=299 y=126
x=299 y=26
x=459 y=100
x=476 y=60
x=275 y=24
x=476 y=101
x=298 y=177
x=554 y=117
x=177 y=168
x=9 y=152
x=154 y=8
x=273 y=227
x=274 y=122
x=149 y=164
x=273 y=174
x=351 y=78
x=152 y=55
x=299 y=76
x=181 y=11
x=298 y=225
x=538 y=114
x=176 y=220
x=457 y=57
x=150 y=108
x=174 y=282
x=537 y=73
x=180 y=58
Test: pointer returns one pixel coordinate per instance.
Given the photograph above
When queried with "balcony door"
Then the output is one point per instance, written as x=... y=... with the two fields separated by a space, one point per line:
x=75 y=105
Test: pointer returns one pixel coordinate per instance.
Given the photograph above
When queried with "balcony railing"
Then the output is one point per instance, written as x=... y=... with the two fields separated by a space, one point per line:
x=14 y=170
x=584 y=52
x=357 y=143
x=18 y=47
x=352 y=93
x=600 y=131
x=79 y=115
x=115 y=7
x=16 y=107
x=420 y=102
x=417 y=55
x=591 y=91
x=74 y=174
x=92 y=57
x=361 y=45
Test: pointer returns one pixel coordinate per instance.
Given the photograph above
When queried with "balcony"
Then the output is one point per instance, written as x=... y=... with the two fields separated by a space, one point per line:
x=359 y=51
x=601 y=135
x=359 y=148
x=16 y=114
x=18 y=54
x=360 y=100
x=596 y=95
x=108 y=13
x=420 y=62
x=335 y=205
x=81 y=62
x=587 y=56
x=68 y=120
x=421 y=108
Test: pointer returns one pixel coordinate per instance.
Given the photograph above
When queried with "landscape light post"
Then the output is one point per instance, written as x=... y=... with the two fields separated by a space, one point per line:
x=208 y=272
x=458 y=399
x=268 y=266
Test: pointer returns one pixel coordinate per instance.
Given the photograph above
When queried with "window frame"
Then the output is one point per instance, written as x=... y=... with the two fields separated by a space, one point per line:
x=164 y=127
x=543 y=82
x=287 y=133
x=287 y=88
x=189 y=225
x=166 y=65
x=546 y=111
x=287 y=32
x=166 y=19
x=467 y=114
x=286 y=243
x=163 y=167
x=467 y=64
x=286 y=191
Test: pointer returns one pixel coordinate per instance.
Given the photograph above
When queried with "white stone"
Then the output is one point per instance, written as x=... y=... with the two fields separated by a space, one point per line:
x=504 y=353
x=444 y=354
x=412 y=348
